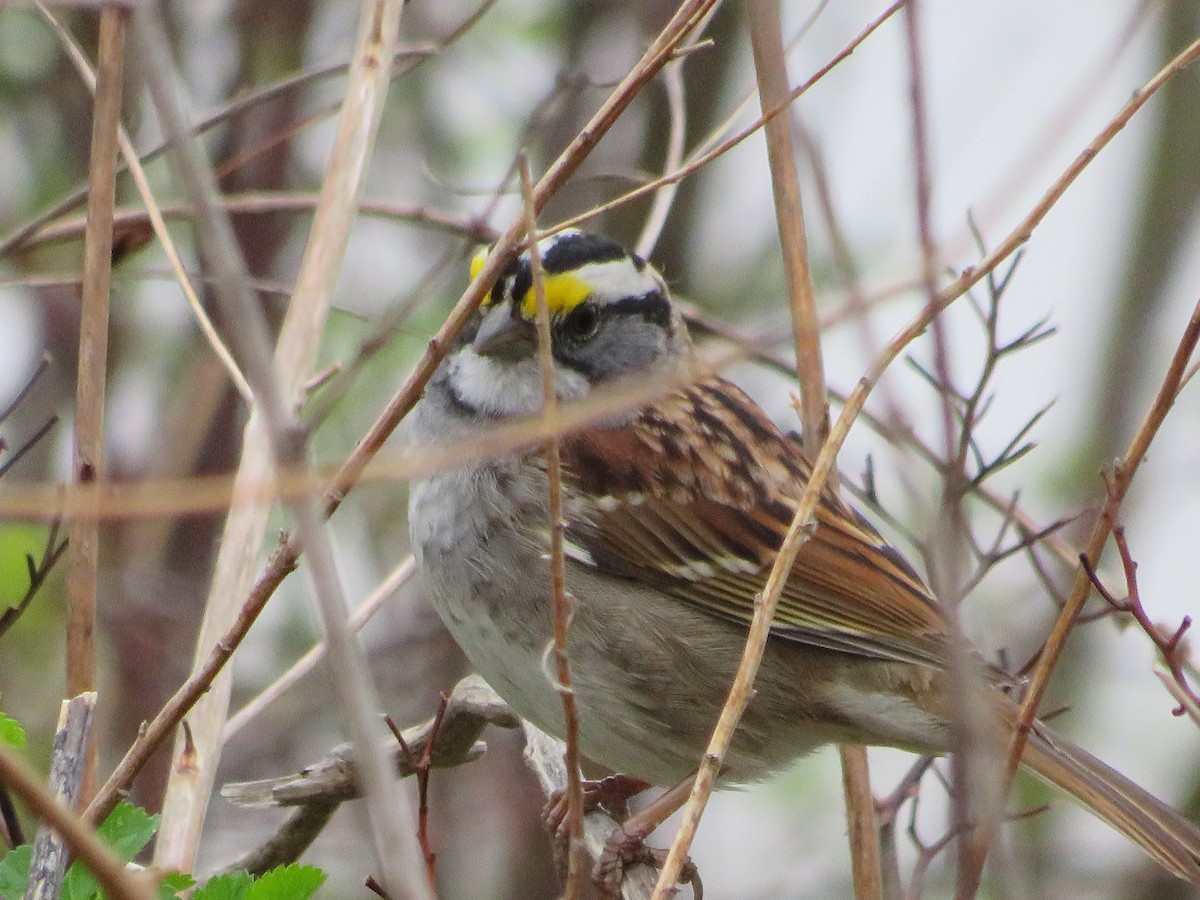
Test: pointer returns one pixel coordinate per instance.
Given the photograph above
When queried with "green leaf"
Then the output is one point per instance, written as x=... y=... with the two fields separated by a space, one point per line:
x=173 y=883
x=11 y=732
x=294 y=882
x=127 y=830
x=231 y=886
x=14 y=872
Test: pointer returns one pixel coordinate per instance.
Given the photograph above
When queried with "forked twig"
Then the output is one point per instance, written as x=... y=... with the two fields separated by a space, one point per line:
x=1171 y=646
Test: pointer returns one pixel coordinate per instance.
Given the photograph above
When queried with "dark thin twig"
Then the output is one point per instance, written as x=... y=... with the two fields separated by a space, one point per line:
x=38 y=572
x=15 y=456
x=1171 y=647
x=42 y=366
x=422 y=765
x=13 y=832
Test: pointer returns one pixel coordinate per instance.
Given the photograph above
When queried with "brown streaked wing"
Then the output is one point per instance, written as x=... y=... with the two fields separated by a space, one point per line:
x=696 y=495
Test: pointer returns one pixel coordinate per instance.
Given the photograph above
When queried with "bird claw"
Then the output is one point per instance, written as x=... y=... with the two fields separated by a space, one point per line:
x=626 y=848
x=611 y=794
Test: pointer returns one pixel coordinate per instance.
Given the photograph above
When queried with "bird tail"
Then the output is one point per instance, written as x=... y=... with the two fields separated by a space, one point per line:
x=1162 y=832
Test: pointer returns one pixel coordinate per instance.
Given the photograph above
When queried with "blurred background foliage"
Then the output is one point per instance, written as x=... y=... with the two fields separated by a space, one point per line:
x=1015 y=90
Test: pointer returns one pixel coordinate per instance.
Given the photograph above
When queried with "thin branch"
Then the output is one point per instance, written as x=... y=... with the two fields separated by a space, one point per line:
x=39 y=370
x=1170 y=646
x=154 y=214
x=664 y=198
x=38 y=571
x=310 y=660
x=1117 y=484
x=318 y=789
x=770 y=63
x=83 y=552
x=557 y=649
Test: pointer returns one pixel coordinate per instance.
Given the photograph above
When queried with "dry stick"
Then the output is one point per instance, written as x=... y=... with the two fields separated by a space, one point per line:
x=706 y=156
x=664 y=198
x=67 y=763
x=118 y=882
x=284 y=560
x=155 y=497
x=252 y=203
x=153 y=213
x=803 y=522
x=309 y=661
x=970 y=760
x=187 y=797
x=770 y=64
x=1120 y=474
x=83 y=549
x=557 y=650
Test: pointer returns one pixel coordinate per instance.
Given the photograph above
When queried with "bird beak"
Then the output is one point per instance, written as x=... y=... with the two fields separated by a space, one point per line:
x=505 y=334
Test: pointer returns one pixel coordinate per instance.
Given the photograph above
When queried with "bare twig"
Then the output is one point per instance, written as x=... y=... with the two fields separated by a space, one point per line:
x=118 y=882
x=422 y=763
x=256 y=203
x=154 y=214
x=557 y=649
x=318 y=789
x=38 y=570
x=664 y=198
x=1117 y=483
x=310 y=660
x=771 y=70
x=83 y=551
x=1171 y=646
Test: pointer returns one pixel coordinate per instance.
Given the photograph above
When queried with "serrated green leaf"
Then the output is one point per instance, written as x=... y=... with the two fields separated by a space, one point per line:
x=173 y=883
x=11 y=732
x=231 y=886
x=293 y=882
x=14 y=872
x=128 y=829
x=79 y=884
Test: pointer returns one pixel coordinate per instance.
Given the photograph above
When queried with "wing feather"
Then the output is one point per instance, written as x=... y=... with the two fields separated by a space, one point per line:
x=696 y=494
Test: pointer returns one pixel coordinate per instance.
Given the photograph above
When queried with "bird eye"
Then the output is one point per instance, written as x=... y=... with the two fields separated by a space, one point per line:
x=582 y=323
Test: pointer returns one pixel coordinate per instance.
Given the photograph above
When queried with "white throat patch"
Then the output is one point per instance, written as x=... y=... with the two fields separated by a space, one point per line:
x=506 y=388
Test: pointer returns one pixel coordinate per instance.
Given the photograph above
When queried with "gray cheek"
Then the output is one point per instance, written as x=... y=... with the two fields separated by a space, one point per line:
x=621 y=350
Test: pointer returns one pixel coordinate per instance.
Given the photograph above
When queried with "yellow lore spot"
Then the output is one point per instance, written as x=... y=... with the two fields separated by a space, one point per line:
x=564 y=292
x=478 y=260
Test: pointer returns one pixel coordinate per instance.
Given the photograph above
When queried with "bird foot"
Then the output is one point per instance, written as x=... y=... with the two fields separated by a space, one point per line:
x=627 y=847
x=611 y=794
